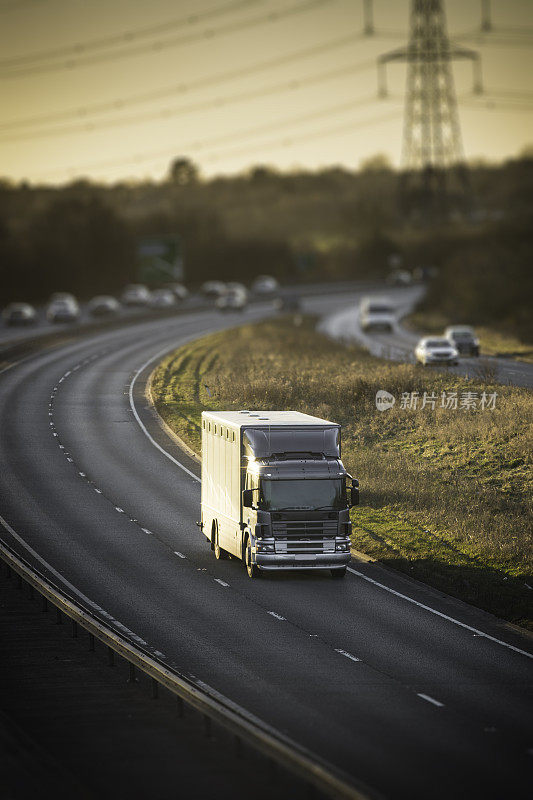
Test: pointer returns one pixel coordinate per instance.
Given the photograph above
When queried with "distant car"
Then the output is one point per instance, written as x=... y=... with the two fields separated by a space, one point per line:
x=265 y=285
x=288 y=301
x=431 y=350
x=19 y=314
x=162 y=298
x=376 y=313
x=463 y=338
x=179 y=290
x=235 y=286
x=135 y=294
x=400 y=277
x=213 y=288
x=66 y=296
x=63 y=310
x=234 y=300
x=103 y=306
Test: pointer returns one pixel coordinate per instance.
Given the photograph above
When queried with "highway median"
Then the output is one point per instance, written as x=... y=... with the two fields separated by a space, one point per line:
x=444 y=463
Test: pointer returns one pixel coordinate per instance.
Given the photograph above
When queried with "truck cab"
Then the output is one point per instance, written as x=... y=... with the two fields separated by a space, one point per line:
x=278 y=496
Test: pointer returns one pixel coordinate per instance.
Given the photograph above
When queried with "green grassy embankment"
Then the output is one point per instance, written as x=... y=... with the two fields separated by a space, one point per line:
x=445 y=494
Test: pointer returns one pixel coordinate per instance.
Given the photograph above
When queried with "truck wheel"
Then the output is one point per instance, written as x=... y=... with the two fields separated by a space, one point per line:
x=252 y=570
x=219 y=552
x=338 y=572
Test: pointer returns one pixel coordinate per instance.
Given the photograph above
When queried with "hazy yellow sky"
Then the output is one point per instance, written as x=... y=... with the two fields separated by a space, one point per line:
x=229 y=84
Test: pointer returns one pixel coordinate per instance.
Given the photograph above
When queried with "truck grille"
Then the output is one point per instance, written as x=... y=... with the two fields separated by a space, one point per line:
x=305 y=536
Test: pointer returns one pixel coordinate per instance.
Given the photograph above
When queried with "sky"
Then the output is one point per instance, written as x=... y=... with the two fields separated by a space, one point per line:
x=114 y=90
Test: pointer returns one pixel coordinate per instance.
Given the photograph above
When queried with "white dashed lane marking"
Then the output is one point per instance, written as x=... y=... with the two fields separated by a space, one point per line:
x=222 y=583
x=347 y=655
x=277 y=616
x=177 y=553
x=430 y=700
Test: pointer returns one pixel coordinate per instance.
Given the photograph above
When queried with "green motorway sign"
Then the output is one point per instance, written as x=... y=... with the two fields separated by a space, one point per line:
x=160 y=259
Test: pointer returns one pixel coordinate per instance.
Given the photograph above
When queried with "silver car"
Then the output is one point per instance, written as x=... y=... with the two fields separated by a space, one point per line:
x=135 y=295
x=463 y=338
x=103 y=306
x=63 y=310
x=431 y=350
x=377 y=313
x=162 y=298
x=19 y=314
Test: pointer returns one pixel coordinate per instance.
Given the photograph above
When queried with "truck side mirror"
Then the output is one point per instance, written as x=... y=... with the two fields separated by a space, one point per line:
x=354 y=493
x=248 y=498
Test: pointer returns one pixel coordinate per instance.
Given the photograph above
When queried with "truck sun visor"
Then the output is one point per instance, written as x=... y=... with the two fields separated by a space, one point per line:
x=266 y=442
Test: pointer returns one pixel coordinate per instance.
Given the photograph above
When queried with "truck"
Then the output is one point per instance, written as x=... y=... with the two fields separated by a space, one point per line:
x=275 y=492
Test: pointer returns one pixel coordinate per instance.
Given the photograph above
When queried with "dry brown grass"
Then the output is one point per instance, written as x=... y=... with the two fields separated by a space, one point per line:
x=445 y=494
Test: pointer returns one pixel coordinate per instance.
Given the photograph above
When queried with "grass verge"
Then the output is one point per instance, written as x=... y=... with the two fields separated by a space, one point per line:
x=445 y=494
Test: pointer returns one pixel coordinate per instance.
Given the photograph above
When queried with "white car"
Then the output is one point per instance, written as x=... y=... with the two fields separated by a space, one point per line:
x=432 y=350
x=135 y=294
x=162 y=298
x=213 y=288
x=265 y=285
x=240 y=288
x=179 y=290
x=19 y=314
x=377 y=313
x=103 y=305
x=67 y=296
x=234 y=300
x=66 y=310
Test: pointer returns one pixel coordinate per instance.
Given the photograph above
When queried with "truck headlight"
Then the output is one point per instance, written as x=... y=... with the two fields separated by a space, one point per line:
x=263 y=547
x=342 y=546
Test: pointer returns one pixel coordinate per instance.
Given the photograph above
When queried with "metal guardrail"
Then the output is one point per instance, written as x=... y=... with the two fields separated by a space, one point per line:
x=315 y=772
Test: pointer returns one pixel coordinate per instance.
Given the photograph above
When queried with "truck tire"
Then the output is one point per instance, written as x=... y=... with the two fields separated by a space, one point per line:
x=219 y=552
x=338 y=572
x=252 y=570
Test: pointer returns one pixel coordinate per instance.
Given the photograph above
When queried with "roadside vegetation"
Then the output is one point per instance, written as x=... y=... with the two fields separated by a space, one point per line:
x=445 y=494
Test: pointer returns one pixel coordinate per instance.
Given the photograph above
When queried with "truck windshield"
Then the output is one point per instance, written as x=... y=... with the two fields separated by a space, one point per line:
x=303 y=495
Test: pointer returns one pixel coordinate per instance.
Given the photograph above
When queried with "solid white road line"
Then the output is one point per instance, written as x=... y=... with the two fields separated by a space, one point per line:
x=160 y=353
x=440 y=614
x=430 y=700
x=75 y=591
x=350 y=569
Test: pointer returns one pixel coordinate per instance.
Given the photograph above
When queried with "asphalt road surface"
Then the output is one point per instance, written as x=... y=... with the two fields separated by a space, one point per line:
x=413 y=694
x=399 y=344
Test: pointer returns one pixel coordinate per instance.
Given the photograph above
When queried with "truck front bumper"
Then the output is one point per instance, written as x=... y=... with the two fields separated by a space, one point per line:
x=301 y=561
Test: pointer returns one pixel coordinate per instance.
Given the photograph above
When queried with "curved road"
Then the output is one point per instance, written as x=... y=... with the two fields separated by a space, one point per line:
x=398 y=345
x=413 y=694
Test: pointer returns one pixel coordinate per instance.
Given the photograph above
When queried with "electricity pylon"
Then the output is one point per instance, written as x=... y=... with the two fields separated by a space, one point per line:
x=432 y=144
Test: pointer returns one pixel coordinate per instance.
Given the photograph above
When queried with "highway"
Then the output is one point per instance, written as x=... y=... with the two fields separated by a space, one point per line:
x=411 y=693
x=398 y=345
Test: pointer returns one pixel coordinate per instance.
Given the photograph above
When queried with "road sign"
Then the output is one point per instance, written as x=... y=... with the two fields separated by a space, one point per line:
x=160 y=259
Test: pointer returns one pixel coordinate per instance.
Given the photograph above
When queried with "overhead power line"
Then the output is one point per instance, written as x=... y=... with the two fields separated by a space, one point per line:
x=486 y=104
x=217 y=102
x=286 y=141
x=139 y=98
x=158 y=45
x=126 y=37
